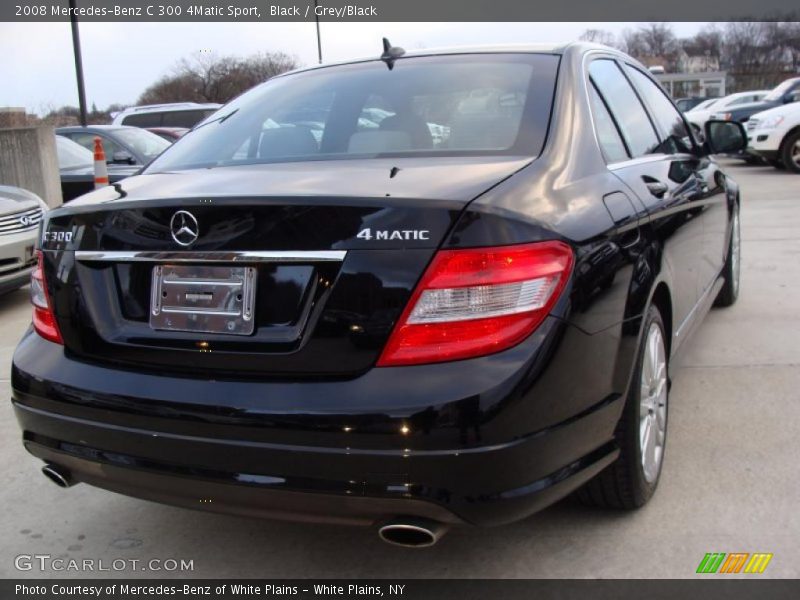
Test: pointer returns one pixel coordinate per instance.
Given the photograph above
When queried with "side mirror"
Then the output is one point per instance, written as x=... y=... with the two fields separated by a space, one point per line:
x=725 y=137
x=123 y=157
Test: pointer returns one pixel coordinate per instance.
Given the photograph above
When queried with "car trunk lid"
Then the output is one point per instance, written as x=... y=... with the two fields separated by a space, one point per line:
x=334 y=254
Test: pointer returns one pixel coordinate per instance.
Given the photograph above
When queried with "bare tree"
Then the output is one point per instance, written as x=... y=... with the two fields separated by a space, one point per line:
x=633 y=43
x=707 y=41
x=210 y=78
x=659 y=39
x=759 y=54
x=599 y=36
x=653 y=42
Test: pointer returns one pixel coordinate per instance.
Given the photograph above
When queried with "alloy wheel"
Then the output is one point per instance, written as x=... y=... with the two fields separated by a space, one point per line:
x=795 y=154
x=736 y=245
x=653 y=403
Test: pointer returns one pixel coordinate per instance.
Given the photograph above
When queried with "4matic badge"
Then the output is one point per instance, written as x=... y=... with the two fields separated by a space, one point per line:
x=394 y=234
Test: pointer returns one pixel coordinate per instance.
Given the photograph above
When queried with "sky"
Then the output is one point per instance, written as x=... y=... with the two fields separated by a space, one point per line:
x=121 y=59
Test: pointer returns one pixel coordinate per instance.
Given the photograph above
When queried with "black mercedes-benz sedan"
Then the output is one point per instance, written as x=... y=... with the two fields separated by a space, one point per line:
x=415 y=291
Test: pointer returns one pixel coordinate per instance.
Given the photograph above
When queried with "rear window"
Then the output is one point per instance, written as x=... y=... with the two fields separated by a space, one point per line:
x=71 y=155
x=494 y=104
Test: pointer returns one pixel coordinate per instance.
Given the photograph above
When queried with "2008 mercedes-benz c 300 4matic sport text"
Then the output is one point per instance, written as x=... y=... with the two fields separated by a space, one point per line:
x=413 y=291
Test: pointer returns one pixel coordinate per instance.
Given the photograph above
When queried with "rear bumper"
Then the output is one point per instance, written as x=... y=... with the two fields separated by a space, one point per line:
x=16 y=260
x=259 y=495
x=473 y=460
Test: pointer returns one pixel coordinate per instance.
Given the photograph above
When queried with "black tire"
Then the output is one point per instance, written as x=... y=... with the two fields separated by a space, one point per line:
x=730 y=289
x=623 y=484
x=789 y=155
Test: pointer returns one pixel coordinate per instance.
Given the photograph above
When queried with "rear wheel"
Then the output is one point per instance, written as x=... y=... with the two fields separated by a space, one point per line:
x=730 y=289
x=642 y=431
x=790 y=152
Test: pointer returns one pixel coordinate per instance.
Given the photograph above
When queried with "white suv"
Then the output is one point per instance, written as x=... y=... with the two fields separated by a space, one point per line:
x=775 y=135
x=180 y=114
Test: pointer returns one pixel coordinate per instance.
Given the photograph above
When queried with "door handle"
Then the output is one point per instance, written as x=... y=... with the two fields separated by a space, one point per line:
x=655 y=187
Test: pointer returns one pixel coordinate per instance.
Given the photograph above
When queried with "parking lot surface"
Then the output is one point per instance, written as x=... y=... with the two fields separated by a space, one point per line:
x=731 y=480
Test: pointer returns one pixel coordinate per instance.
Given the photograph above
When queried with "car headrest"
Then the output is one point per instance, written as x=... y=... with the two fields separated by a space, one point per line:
x=417 y=129
x=287 y=141
x=376 y=141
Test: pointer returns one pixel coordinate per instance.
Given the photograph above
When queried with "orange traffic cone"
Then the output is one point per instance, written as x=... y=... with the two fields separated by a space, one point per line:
x=100 y=168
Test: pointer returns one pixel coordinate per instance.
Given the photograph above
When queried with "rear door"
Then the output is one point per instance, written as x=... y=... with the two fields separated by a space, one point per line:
x=663 y=181
x=705 y=182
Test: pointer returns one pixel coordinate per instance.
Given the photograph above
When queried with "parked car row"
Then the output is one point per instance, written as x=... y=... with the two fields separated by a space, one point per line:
x=699 y=115
x=140 y=133
x=772 y=119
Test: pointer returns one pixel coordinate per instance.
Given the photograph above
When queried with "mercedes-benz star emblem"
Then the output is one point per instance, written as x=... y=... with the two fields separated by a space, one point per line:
x=183 y=227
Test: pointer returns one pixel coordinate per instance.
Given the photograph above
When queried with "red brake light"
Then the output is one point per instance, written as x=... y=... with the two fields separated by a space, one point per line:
x=478 y=301
x=44 y=321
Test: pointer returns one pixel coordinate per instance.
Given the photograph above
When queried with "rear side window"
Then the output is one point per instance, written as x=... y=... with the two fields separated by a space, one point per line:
x=184 y=118
x=607 y=133
x=143 y=120
x=480 y=104
x=673 y=127
x=625 y=106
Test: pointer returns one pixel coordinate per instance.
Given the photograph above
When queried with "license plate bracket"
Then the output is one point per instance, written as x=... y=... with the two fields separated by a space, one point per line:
x=203 y=299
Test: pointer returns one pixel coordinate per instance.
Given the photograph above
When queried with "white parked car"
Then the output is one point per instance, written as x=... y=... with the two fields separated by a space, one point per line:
x=179 y=114
x=775 y=135
x=702 y=112
x=21 y=212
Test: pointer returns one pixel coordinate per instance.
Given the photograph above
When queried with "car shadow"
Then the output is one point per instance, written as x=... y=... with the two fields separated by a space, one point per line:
x=542 y=545
x=14 y=299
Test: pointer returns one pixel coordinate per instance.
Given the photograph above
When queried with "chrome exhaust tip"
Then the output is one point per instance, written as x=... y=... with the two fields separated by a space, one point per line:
x=57 y=475
x=412 y=532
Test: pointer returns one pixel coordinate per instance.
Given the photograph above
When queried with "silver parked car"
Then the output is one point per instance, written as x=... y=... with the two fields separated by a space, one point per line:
x=21 y=212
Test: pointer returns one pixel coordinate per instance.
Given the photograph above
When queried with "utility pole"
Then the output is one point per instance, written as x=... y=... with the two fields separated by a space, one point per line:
x=76 y=49
x=319 y=39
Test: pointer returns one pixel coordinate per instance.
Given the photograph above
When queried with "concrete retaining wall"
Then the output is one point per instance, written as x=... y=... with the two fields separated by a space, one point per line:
x=28 y=159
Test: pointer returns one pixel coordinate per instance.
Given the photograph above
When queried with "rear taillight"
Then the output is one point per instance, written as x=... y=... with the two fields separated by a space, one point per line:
x=478 y=301
x=44 y=321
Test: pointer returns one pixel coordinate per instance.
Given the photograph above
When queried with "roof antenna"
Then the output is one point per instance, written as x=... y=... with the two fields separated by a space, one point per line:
x=391 y=53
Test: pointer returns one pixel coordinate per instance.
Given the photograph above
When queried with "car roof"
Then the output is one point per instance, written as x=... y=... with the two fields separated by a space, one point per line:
x=75 y=128
x=160 y=128
x=748 y=93
x=541 y=48
x=175 y=106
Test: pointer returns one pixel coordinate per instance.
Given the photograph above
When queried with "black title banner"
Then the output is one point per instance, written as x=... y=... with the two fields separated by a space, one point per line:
x=713 y=588
x=398 y=10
